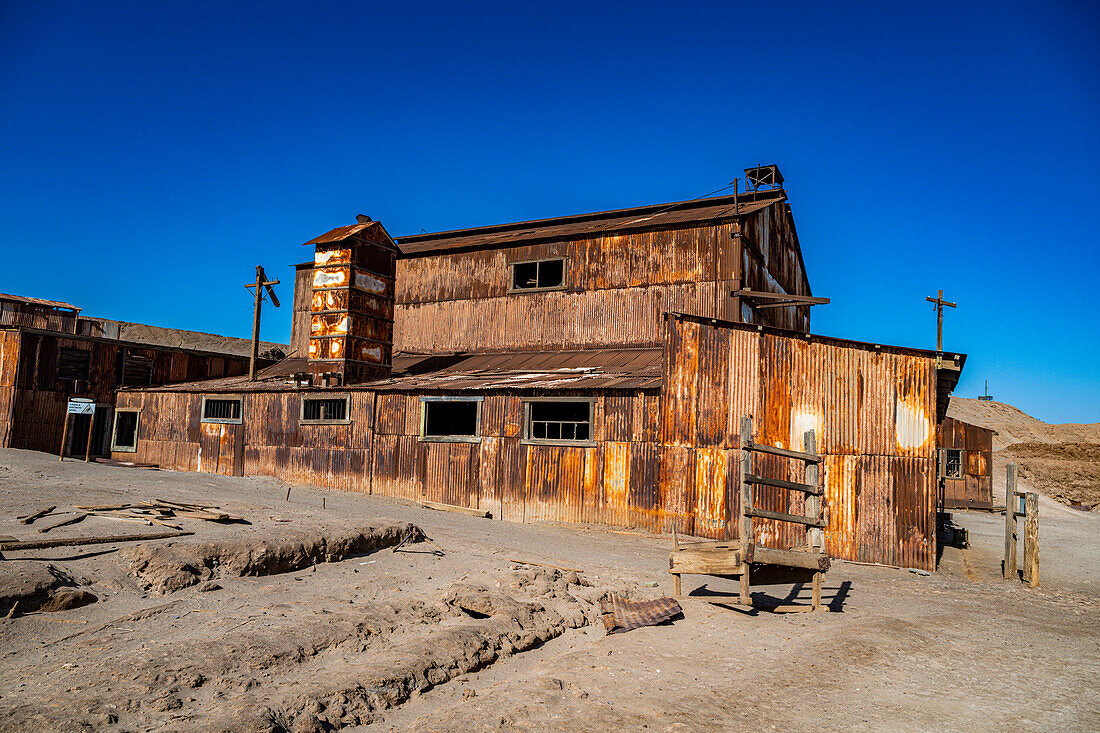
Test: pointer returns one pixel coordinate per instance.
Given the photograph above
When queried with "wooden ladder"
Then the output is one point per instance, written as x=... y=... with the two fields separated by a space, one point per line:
x=811 y=556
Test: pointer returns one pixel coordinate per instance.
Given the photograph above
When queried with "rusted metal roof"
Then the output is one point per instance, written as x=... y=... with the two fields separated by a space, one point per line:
x=574 y=370
x=38 y=301
x=339 y=234
x=715 y=209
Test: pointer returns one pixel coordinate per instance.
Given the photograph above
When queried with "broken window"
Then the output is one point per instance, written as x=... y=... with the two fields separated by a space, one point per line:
x=136 y=369
x=218 y=409
x=74 y=364
x=324 y=409
x=124 y=437
x=559 y=421
x=952 y=463
x=541 y=275
x=450 y=420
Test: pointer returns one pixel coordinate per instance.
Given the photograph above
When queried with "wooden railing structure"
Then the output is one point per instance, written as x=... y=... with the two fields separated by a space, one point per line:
x=747 y=560
x=1030 y=515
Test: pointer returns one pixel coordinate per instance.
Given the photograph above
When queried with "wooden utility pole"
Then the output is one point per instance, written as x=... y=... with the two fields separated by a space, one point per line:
x=940 y=303
x=261 y=283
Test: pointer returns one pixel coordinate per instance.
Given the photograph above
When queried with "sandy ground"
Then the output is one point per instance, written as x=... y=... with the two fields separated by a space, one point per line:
x=454 y=635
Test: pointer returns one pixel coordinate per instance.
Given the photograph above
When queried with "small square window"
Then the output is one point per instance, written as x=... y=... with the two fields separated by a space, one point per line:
x=952 y=463
x=540 y=275
x=220 y=409
x=124 y=436
x=450 y=420
x=559 y=421
x=324 y=409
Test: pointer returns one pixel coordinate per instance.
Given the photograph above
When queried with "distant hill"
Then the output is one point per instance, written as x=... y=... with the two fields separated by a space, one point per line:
x=1062 y=461
x=1016 y=426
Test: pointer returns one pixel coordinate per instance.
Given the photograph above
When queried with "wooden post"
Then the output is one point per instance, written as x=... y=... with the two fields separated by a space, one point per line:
x=1008 y=567
x=815 y=537
x=746 y=507
x=88 y=442
x=256 y=324
x=1031 y=539
x=64 y=433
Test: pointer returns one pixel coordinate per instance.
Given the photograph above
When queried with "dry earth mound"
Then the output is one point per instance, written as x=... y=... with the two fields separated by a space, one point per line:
x=171 y=567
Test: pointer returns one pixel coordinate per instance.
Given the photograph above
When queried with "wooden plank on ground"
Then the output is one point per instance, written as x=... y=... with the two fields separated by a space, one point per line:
x=76 y=541
x=70 y=520
x=37 y=515
x=460 y=509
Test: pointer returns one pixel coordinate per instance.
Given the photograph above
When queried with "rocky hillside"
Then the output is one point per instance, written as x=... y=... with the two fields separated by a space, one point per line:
x=1062 y=461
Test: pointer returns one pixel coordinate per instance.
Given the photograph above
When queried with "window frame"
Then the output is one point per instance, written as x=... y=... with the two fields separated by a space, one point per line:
x=324 y=421
x=115 y=448
x=87 y=365
x=425 y=399
x=528 y=440
x=512 y=275
x=947 y=462
x=222 y=420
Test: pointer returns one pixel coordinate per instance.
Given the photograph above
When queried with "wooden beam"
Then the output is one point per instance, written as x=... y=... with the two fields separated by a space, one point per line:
x=705 y=562
x=781 y=484
x=70 y=520
x=783 y=517
x=760 y=448
x=37 y=515
x=745 y=529
x=1008 y=566
x=1031 y=539
x=74 y=541
x=790 y=558
x=761 y=295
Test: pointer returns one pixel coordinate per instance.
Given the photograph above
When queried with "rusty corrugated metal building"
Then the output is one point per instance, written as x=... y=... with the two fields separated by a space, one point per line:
x=588 y=368
x=50 y=353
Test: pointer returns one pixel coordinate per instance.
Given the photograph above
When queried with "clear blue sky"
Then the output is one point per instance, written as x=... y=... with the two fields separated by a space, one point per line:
x=152 y=153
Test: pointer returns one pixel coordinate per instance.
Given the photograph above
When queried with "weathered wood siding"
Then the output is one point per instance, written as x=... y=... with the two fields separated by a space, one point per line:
x=379 y=451
x=974 y=490
x=38 y=398
x=874 y=413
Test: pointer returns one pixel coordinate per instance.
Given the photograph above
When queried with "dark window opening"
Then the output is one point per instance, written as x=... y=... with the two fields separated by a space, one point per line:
x=125 y=435
x=450 y=419
x=137 y=369
x=953 y=463
x=324 y=409
x=213 y=409
x=569 y=421
x=538 y=275
x=74 y=364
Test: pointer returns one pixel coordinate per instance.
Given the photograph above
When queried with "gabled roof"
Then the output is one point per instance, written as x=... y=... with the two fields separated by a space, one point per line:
x=38 y=301
x=715 y=209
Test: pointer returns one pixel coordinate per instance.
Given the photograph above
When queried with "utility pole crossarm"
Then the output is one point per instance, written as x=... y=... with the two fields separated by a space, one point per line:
x=940 y=303
x=261 y=283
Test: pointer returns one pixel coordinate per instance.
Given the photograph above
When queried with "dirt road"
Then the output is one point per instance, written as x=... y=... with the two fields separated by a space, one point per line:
x=454 y=635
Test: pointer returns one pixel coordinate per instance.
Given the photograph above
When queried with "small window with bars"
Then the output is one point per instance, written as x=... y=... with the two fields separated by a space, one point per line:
x=320 y=410
x=221 y=409
x=538 y=275
x=953 y=463
x=559 y=421
x=74 y=364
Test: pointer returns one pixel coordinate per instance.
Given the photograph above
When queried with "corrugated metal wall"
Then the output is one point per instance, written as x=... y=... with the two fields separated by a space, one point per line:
x=874 y=413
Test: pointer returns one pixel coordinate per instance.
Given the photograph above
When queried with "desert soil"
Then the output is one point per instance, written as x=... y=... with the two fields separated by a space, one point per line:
x=453 y=634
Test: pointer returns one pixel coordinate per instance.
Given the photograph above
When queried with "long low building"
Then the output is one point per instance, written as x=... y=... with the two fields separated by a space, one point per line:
x=591 y=368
